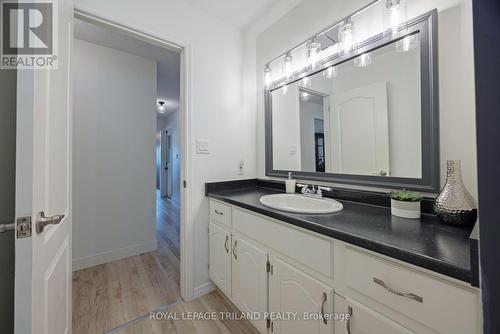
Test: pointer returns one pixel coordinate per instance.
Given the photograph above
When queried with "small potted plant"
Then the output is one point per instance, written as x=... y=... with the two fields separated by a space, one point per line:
x=405 y=204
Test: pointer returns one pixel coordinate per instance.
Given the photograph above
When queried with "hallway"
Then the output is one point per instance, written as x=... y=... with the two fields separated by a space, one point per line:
x=109 y=295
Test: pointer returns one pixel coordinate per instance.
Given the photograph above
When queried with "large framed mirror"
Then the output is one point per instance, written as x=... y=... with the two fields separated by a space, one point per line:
x=367 y=118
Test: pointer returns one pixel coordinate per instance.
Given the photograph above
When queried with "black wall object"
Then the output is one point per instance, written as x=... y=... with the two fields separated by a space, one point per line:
x=486 y=17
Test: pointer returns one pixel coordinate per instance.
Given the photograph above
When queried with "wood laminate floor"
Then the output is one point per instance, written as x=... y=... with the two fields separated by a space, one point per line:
x=109 y=295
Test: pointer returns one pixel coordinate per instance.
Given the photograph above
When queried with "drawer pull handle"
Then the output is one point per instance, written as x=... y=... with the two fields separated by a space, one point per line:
x=325 y=321
x=348 y=324
x=225 y=244
x=396 y=292
x=234 y=249
x=220 y=213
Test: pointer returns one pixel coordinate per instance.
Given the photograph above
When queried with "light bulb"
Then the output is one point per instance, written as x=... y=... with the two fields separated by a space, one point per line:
x=330 y=72
x=287 y=65
x=268 y=76
x=395 y=15
x=161 y=107
x=345 y=35
x=305 y=82
x=314 y=48
x=363 y=60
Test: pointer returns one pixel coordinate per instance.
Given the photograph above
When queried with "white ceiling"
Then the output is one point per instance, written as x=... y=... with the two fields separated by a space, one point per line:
x=168 y=62
x=237 y=12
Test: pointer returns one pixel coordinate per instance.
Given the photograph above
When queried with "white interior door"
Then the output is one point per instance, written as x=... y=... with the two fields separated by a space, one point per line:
x=43 y=184
x=358 y=132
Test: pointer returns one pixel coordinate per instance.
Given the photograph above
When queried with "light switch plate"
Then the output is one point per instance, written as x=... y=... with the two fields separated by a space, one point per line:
x=202 y=146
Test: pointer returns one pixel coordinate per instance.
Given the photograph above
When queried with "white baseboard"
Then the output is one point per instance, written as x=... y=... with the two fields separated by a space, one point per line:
x=113 y=255
x=203 y=289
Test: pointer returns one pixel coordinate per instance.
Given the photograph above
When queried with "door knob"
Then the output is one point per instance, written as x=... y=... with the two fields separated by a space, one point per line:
x=7 y=227
x=42 y=221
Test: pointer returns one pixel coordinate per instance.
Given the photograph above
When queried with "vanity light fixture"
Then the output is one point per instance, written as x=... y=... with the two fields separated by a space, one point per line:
x=305 y=82
x=345 y=35
x=161 y=107
x=268 y=76
x=313 y=50
x=330 y=72
x=287 y=65
x=408 y=43
x=363 y=60
x=394 y=15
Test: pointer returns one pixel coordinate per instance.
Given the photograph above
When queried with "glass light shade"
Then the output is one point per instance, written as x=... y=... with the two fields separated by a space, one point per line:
x=288 y=65
x=268 y=75
x=330 y=72
x=346 y=38
x=408 y=43
x=305 y=82
x=313 y=50
x=363 y=60
x=395 y=17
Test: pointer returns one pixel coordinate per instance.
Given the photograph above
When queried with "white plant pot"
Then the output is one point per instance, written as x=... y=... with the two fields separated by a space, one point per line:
x=405 y=209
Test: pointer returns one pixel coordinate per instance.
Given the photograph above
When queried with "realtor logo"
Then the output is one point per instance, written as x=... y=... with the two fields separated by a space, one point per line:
x=29 y=38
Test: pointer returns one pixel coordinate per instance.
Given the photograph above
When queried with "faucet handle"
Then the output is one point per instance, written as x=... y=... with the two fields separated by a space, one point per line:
x=321 y=188
x=303 y=186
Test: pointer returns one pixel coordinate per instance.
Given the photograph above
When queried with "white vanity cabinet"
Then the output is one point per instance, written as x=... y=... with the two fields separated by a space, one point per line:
x=293 y=290
x=249 y=279
x=220 y=257
x=264 y=265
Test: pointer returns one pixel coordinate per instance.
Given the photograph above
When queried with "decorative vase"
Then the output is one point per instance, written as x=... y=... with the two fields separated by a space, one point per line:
x=455 y=205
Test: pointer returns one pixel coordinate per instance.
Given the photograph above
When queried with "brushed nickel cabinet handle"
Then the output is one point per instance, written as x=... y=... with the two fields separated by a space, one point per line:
x=234 y=249
x=42 y=221
x=225 y=244
x=348 y=325
x=396 y=292
x=325 y=321
x=220 y=213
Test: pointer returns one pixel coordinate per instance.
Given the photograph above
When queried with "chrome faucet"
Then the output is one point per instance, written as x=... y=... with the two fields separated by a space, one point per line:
x=313 y=190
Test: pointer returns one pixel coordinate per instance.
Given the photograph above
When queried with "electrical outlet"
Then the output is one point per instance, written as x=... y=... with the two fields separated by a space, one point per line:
x=241 y=167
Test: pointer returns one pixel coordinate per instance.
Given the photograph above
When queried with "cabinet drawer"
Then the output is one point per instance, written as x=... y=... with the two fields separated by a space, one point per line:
x=442 y=306
x=220 y=213
x=314 y=252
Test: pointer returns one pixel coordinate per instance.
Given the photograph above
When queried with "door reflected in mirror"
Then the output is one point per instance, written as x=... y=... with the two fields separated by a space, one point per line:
x=360 y=117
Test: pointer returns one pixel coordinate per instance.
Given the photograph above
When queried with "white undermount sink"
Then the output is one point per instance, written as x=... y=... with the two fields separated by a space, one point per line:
x=301 y=204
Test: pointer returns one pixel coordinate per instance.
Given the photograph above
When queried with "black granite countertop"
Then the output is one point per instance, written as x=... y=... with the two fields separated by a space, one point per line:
x=426 y=243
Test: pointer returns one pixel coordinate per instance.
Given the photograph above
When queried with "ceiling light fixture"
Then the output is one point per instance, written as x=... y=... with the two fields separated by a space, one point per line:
x=161 y=107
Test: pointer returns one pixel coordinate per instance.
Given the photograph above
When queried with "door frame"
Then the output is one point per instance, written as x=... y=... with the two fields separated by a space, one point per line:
x=186 y=234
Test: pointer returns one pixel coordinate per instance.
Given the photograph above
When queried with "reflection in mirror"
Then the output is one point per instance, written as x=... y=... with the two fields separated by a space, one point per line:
x=361 y=117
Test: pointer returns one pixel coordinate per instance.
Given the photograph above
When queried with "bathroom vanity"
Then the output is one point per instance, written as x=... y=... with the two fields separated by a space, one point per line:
x=392 y=275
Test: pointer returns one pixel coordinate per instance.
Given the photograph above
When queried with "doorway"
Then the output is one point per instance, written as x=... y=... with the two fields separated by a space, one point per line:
x=126 y=235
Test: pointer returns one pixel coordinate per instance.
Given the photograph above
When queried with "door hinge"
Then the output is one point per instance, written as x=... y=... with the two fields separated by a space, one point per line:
x=184 y=183
x=269 y=267
x=23 y=227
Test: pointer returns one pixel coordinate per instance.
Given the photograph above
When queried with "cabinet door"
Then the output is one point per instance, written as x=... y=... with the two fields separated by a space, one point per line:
x=220 y=258
x=292 y=290
x=364 y=320
x=249 y=269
